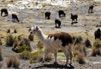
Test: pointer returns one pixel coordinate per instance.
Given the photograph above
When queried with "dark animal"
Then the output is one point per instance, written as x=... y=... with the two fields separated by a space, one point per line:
x=97 y=34
x=57 y=23
x=61 y=13
x=90 y=10
x=74 y=18
x=88 y=43
x=47 y=15
x=5 y=11
x=14 y=18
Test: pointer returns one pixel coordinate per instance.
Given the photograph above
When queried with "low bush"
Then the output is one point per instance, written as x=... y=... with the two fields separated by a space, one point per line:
x=21 y=44
x=79 y=53
x=10 y=40
x=96 y=48
x=13 y=61
x=25 y=55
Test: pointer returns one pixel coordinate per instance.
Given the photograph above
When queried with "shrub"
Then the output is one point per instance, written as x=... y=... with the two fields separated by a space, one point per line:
x=19 y=49
x=79 y=53
x=25 y=55
x=13 y=61
x=21 y=45
x=9 y=40
x=81 y=58
x=36 y=56
x=96 y=47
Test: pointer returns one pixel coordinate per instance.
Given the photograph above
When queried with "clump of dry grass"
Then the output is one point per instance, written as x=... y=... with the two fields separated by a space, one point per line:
x=21 y=44
x=36 y=56
x=25 y=55
x=9 y=40
x=79 y=53
x=96 y=48
x=13 y=61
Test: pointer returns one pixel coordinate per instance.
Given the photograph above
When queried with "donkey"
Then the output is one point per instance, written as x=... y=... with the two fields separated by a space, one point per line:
x=54 y=42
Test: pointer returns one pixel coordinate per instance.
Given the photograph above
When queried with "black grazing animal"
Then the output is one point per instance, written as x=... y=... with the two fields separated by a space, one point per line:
x=47 y=15
x=97 y=34
x=5 y=11
x=57 y=23
x=90 y=10
x=88 y=43
x=14 y=18
x=74 y=18
x=61 y=13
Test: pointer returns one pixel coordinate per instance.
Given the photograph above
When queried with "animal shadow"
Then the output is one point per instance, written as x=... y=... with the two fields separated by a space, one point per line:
x=53 y=66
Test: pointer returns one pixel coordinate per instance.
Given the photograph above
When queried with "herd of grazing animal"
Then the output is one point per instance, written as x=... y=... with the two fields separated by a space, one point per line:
x=61 y=13
x=70 y=45
x=4 y=13
x=62 y=40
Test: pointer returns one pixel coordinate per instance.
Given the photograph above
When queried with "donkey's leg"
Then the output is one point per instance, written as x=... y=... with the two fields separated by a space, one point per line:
x=55 y=56
x=45 y=55
x=68 y=54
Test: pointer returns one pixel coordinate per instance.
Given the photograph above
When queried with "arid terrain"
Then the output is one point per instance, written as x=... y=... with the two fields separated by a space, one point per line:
x=87 y=24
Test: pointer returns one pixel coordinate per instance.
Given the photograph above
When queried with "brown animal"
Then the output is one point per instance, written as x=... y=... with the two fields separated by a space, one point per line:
x=54 y=42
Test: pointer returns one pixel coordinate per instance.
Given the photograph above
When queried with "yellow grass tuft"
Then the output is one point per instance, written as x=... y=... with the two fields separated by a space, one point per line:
x=13 y=61
x=79 y=53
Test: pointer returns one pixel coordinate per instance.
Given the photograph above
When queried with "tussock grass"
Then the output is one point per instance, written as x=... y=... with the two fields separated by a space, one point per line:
x=10 y=40
x=79 y=53
x=13 y=61
x=25 y=55
x=21 y=44
x=96 y=48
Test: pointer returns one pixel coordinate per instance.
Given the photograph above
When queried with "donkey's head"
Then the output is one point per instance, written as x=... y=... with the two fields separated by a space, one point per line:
x=35 y=30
